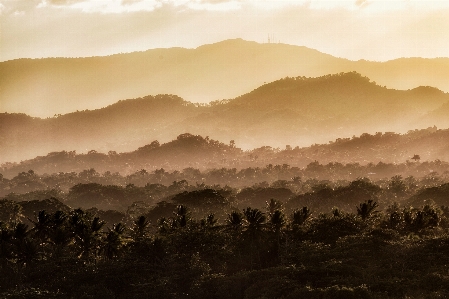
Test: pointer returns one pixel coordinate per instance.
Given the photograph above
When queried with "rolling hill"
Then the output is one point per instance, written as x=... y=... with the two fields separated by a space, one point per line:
x=297 y=111
x=224 y=70
x=192 y=152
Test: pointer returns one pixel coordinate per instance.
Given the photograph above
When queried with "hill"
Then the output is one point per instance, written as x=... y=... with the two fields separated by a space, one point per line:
x=296 y=111
x=189 y=153
x=224 y=70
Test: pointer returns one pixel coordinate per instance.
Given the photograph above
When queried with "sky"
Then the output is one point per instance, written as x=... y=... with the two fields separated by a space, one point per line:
x=354 y=29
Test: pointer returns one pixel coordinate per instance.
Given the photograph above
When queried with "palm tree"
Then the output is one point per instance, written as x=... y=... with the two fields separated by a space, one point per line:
x=86 y=232
x=59 y=234
x=182 y=216
x=235 y=220
x=255 y=221
x=277 y=221
x=113 y=242
x=59 y=218
x=273 y=205
x=42 y=227
x=209 y=221
x=367 y=209
x=140 y=228
x=300 y=216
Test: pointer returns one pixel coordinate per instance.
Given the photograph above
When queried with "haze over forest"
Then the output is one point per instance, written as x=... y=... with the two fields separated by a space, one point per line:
x=295 y=111
x=146 y=152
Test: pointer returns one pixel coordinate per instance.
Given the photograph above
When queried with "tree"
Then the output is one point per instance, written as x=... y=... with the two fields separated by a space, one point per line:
x=10 y=212
x=273 y=205
x=60 y=233
x=395 y=217
x=113 y=242
x=42 y=226
x=86 y=230
x=300 y=216
x=181 y=216
x=140 y=228
x=209 y=221
x=416 y=158
x=255 y=221
x=397 y=186
x=235 y=220
x=277 y=222
x=417 y=219
x=367 y=209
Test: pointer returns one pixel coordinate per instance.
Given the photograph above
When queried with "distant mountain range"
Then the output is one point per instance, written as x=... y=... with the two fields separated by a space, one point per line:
x=295 y=111
x=224 y=70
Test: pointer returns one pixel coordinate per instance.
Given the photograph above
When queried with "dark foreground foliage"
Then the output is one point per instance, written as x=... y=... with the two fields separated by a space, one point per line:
x=250 y=253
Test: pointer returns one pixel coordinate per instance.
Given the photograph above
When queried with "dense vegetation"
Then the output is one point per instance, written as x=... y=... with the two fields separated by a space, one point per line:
x=293 y=233
x=249 y=253
x=368 y=154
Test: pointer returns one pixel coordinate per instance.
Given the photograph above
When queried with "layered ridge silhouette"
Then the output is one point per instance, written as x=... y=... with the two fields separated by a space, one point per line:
x=295 y=111
x=189 y=151
x=224 y=70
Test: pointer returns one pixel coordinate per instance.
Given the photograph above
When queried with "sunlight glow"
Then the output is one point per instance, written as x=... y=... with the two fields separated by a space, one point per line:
x=106 y=6
x=125 y=6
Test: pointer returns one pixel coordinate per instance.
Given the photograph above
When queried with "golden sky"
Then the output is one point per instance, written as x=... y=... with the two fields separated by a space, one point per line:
x=353 y=29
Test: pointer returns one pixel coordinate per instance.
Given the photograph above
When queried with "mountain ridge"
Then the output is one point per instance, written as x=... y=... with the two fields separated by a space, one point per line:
x=223 y=70
x=297 y=111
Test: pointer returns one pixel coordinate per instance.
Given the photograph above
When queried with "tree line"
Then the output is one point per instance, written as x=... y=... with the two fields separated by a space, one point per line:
x=249 y=253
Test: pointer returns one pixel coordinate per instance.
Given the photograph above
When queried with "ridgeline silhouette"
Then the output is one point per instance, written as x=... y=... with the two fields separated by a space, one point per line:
x=227 y=69
x=194 y=151
x=296 y=111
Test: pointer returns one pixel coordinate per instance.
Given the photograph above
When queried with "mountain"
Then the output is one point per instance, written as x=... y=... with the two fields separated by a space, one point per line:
x=224 y=70
x=295 y=111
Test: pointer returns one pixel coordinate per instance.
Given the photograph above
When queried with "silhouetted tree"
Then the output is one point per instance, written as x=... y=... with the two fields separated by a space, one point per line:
x=367 y=209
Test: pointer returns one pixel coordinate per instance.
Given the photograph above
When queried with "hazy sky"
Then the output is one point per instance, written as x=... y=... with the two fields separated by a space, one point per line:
x=354 y=29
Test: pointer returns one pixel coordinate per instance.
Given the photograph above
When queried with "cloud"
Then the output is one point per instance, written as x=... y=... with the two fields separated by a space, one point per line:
x=354 y=29
x=130 y=2
x=123 y=6
x=64 y=2
x=214 y=5
x=362 y=3
x=103 y=6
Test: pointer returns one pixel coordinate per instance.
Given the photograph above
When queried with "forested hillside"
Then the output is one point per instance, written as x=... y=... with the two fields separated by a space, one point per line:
x=204 y=153
x=292 y=111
